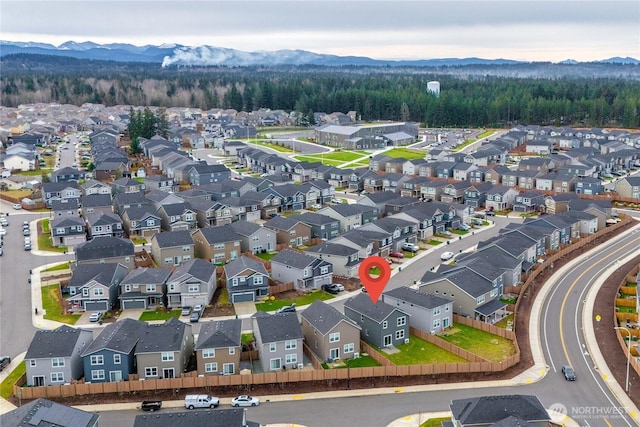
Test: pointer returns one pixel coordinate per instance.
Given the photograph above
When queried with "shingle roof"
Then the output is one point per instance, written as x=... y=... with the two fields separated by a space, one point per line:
x=209 y=418
x=490 y=409
x=245 y=228
x=362 y=304
x=101 y=273
x=242 y=263
x=169 y=239
x=221 y=234
x=163 y=337
x=416 y=297
x=198 y=268
x=282 y=223
x=104 y=247
x=103 y=219
x=56 y=343
x=293 y=258
x=46 y=413
x=147 y=276
x=121 y=336
x=278 y=327
x=221 y=333
x=333 y=249
x=325 y=317
x=312 y=218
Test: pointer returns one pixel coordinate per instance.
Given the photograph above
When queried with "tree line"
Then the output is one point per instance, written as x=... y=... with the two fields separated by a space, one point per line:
x=387 y=93
x=146 y=124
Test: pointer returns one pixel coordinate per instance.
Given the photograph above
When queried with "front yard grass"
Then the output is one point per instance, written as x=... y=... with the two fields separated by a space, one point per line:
x=481 y=343
x=434 y=242
x=300 y=301
x=63 y=266
x=6 y=388
x=159 y=314
x=406 y=153
x=435 y=422
x=52 y=303
x=419 y=352
x=266 y=255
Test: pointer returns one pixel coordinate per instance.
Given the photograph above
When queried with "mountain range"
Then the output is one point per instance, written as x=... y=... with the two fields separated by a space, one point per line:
x=179 y=55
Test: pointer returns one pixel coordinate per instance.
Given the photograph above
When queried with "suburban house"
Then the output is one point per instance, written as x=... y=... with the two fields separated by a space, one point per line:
x=246 y=280
x=65 y=208
x=381 y=324
x=144 y=288
x=96 y=203
x=429 y=313
x=217 y=244
x=177 y=216
x=254 y=238
x=500 y=198
x=351 y=216
x=95 y=286
x=628 y=186
x=203 y=173
x=92 y=187
x=106 y=250
x=219 y=347
x=278 y=339
x=126 y=185
x=40 y=411
x=193 y=282
x=110 y=357
x=301 y=269
x=330 y=334
x=67 y=231
x=289 y=231
x=60 y=191
x=210 y=213
x=345 y=259
x=140 y=221
x=54 y=356
x=104 y=224
x=508 y=410
x=529 y=201
x=163 y=351
x=367 y=242
x=172 y=248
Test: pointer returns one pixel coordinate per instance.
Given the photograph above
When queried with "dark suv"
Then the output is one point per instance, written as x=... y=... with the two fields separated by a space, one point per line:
x=332 y=289
x=569 y=373
x=4 y=362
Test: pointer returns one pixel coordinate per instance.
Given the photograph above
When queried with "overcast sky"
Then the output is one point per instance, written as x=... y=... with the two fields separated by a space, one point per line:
x=539 y=30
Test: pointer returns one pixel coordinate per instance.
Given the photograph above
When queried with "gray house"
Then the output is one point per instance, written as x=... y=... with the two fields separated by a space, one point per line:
x=322 y=226
x=54 y=357
x=144 y=288
x=67 y=231
x=172 y=248
x=163 y=351
x=303 y=270
x=106 y=250
x=110 y=357
x=345 y=259
x=330 y=334
x=429 y=313
x=254 y=238
x=382 y=325
x=95 y=286
x=194 y=282
x=247 y=280
x=104 y=224
x=279 y=340
x=219 y=347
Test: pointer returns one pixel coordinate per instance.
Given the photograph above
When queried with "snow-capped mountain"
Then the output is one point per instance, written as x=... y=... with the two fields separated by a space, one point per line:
x=170 y=54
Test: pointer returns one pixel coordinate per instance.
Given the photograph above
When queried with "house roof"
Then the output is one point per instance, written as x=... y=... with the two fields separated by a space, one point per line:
x=416 y=297
x=362 y=304
x=220 y=234
x=325 y=317
x=138 y=213
x=346 y=210
x=198 y=268
x=278 y=327
x=102 y=218
x=221 y=333
x=245 y=228
x=101 y=273
x=333 y=249
x=147 y=276
x=293 y=258
x=65 y=204
x=163 y=337
x=104 y=247
x=46 y=413
x=170 y=239
x=312 y=218
x=209 y=418
x=242 y=263
x=491 y=409
x=282 y=223
x=120 y=337
x=66 y=221
x=56 y=343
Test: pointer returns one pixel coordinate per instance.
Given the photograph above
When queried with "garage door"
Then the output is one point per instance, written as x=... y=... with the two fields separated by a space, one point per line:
x=134 y=303
x=96 y=305
x=75 y=240
x=243 y=297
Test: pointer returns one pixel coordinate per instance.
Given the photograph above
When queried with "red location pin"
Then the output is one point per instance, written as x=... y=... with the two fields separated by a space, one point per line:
x=374 y=285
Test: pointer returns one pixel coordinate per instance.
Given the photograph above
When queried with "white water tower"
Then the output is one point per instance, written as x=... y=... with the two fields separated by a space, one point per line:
x=434 y=87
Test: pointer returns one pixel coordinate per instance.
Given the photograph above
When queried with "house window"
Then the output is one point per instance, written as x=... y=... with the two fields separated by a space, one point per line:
x=219 y=256
x=400 y=334
x=194 y=288
x=98 y=228
x=362 y=318
x=97 y=359
x=186 y=258
x=334 y=337
x=60 y=230
x=480 y=299
x=57 y=377
x=324 y=270
x=494 y=293
x=436 y=311
x=272 y=347
x=218 y=246
x=150 y=223
x=98 y=292
x=234 y=281
x=127 y=288
x=32 y=363
x=57 y=362
x=117 y=359
x=168 y=260
x=228 y=368
x=292 y=233
x=151 y=288
x=385 y=324
x=348 y=348
x=290 y=344
x=402 y=321
x=257 y=280
x=186 y=248
x=97 y=375
x=232 y=350
x=208 y=353
x=211 y=367
x=172 y=287
x=446 y=308
x=290 y=358
x=151 y=372
x=275 y=364
x=168 y=356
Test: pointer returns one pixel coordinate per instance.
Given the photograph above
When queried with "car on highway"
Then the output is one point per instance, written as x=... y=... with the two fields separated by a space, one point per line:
x=446 y=256
x=2 y=231
x=186 y=310
x=569 y=373
x=4 y=362
x=245 y=401
x=396 y=255
x=331 y=289
x=287 y=309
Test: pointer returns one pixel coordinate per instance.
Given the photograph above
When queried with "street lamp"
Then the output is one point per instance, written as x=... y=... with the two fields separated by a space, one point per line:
x=626 y=389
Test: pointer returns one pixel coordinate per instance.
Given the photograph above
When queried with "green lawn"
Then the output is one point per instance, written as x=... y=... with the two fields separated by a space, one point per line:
x=360 y=362
x=434 y=242
x=269 y=145
x=267 y=255
x=46 y=244
x=503 y=323
x=435 y=422
x=405 y=152
x=52 y=304
x=59 y=267
x=139 y=240
x=247 y=338
x=419 y=352
x=303 y=300
x=313 y=159
x=6 y=388
x=483 y=344
x=159 y=315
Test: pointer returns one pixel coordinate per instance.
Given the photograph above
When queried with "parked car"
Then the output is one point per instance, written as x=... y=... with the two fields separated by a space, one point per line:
x=95 y=316
x=2 y=231
x=27 y=246
x=490 y=213
x=338 y=286
x=4 y=222
x=192 y=401
x=17 y=206
x=569 y=373
x=186 y=310
x=199 y=308
x=396 y=255
x=287 y=309
x=464 y=227
x=446 y=256
x=0 y=249
x=151 y=405
x=195 y=316
x=26 y=232
x=245 y=401
x=410 y=247
x=332 y=289
x=4 y=362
